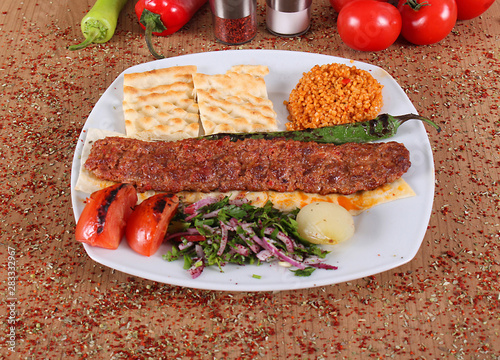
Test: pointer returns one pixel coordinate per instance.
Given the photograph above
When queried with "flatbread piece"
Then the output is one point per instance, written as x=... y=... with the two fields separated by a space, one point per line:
x=236 y=101
x=160 y=105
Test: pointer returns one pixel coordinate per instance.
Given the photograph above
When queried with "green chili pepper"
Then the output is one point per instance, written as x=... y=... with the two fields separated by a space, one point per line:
x=382 y=127
x=99 y=25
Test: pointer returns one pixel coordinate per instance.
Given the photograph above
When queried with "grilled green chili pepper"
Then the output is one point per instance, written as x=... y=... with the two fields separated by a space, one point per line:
x=382 y=127
x=99 y=25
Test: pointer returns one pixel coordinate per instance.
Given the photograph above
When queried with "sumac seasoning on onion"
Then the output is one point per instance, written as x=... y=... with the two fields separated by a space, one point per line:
x=235 y=21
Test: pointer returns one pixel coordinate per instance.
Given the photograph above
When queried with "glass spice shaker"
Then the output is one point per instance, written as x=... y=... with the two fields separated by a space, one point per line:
x=235 y=21
x=288 y=17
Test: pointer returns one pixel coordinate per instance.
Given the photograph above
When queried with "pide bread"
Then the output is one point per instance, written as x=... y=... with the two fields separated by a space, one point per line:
x=287 y=201
x=236 y=101
x=160 y=105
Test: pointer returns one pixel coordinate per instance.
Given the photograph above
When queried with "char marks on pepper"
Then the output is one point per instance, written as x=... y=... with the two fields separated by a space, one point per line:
x=252 y=165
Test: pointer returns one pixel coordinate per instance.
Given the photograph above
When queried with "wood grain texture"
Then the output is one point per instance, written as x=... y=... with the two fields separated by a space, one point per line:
x=443 y=304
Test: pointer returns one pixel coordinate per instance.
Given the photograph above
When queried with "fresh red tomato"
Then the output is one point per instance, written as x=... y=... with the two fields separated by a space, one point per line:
x=148 y=224
x=102 y=222
x=469 y=9
x=369 y=25
x=339 y=4
x=427 y=21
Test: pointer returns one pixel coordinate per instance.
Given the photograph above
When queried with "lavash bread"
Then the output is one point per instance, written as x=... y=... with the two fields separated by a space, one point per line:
x=355 y=203
x=87 y=182
x=236 y=101
x=160 y=105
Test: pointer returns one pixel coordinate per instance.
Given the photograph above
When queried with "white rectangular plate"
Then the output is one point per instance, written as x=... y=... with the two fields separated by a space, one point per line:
x=386 y=237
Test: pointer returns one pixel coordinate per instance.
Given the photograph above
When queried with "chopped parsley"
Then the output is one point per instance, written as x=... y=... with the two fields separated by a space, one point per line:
x=215 y=232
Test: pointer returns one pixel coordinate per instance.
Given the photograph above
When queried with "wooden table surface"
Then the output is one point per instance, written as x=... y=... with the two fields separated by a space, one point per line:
x=445 y=303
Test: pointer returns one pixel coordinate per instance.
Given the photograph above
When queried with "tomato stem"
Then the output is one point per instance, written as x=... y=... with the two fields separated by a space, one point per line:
x=415 y=5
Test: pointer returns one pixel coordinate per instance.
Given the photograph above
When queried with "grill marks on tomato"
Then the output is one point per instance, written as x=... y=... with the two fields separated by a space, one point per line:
x=102 y=211
x=159 y=206
x=166 y=200
x=248 y=165
x=103 y=219
x=147 y=226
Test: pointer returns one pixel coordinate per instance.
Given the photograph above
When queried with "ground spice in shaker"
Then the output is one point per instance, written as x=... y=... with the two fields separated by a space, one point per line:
x=235 y=21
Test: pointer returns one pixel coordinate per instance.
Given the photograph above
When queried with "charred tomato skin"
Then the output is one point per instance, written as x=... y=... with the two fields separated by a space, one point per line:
x=104 y=217
x=147 y=226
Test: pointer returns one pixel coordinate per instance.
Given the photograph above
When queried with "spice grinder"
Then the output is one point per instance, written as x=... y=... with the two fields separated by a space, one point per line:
x=288 y=17
x=235 y=21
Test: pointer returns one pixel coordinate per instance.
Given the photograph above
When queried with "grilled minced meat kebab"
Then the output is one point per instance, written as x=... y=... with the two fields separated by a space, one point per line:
x=250 y=165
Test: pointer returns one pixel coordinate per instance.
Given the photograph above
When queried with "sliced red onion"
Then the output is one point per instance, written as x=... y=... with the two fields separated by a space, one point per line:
x=247 y=227
x=194 y=207
x=296 y=244
x=199 y=251
x=201 y=203
x=259 y=241
x=317 y=262
x=233 y=223
x=239 y=202
x=242 y=250
x=189 y=231
x=186 y=245
x=264 y=255
x=224 y=237
x=288 y=241
x=325 y=266
x=250 y=243
x=209 y=229
x=196 y=269
x=277 y=252
x=211 y=214
x=310 y=260
x=266 y=249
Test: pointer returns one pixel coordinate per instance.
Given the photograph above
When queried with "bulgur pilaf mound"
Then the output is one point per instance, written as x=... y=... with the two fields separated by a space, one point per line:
x=333 y=94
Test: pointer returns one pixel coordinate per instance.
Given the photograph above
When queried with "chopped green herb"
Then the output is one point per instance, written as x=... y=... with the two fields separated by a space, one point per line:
x=218 y=232
x=304 y=272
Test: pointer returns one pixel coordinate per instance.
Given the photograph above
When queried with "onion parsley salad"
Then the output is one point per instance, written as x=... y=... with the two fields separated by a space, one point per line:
x=217 y=232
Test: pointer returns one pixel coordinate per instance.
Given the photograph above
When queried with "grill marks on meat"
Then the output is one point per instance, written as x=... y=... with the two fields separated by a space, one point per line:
x=251 y=165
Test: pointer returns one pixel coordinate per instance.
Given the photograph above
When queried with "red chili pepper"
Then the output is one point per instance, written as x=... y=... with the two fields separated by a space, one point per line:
x=164 y=17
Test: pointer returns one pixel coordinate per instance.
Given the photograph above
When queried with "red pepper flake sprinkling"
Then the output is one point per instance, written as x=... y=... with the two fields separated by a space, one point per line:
x=442 y=304
x=235 y=31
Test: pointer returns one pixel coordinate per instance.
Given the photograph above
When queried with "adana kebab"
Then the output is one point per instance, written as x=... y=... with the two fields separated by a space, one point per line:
x=251 y=164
